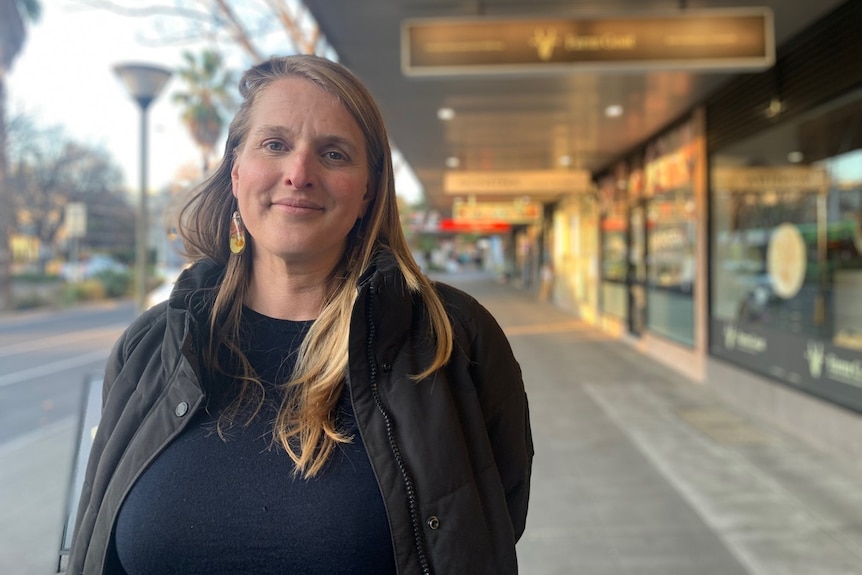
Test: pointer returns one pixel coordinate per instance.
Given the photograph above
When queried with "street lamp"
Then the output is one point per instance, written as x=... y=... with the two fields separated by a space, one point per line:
x=144 y=82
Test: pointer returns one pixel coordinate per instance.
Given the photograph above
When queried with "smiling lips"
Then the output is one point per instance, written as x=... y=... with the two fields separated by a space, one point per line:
x=297 y=205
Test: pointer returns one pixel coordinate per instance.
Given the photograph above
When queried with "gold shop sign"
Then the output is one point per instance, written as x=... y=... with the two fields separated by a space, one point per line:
x=509 y=212
x=778 y=179
x=510 y=182
x=735 y=39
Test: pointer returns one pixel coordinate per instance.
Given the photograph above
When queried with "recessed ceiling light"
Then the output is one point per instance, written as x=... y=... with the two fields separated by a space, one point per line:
x=565 y=161
x=775 y=107
x=452 y=162
x=614 y=111
x=795 y=157
x=445 y=113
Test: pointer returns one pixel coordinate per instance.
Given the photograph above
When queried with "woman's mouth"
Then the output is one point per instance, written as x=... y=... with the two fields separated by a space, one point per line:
x=297 y=205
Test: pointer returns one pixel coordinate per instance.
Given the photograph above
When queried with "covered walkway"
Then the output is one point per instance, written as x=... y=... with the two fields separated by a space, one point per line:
x=639 y=471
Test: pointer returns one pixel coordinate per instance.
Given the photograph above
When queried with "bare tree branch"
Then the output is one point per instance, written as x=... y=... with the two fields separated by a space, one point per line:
x=217 y=17
x=240 y=33
x=147 y=10
x=288 y=22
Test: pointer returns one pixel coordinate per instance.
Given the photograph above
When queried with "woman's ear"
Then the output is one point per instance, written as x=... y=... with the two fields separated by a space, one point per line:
x=234 y=171
x=234 y=177
x=367 y=198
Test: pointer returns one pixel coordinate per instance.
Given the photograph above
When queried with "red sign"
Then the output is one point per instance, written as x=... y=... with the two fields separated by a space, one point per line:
x=468 y=227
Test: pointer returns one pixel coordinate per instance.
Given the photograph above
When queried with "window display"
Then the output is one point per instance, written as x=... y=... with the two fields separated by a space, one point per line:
x=787 y=253
x=614 y=244
x=671 y=235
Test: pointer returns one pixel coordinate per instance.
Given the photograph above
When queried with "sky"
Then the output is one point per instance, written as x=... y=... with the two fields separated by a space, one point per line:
x=64 y=77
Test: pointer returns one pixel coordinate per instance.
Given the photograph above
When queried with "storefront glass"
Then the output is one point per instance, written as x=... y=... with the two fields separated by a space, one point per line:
x=671 y=234
x=614 y=243
x=787 y=252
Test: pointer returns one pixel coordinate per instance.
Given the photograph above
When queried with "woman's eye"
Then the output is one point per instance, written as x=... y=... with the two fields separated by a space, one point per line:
x=274 y=146
x=333 y=155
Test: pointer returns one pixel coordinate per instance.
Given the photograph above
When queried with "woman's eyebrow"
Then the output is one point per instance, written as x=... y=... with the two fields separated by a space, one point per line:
x=269 y=130
x=272 y=130
x=338 y=141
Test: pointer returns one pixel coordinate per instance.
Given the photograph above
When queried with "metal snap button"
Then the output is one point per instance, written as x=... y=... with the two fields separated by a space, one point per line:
x=434 y=522
x=181 y=409
x=387 y=367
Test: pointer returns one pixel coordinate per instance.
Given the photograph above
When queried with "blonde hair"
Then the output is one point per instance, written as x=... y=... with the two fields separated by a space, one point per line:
x=305 y=425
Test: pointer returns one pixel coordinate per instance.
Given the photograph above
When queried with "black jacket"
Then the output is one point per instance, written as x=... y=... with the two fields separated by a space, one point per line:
x=452 y=454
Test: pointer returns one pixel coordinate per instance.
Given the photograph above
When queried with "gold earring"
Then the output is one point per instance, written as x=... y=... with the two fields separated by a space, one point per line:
x=237 y=234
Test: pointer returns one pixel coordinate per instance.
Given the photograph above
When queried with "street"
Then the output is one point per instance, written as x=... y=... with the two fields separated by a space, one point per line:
x=45 y=357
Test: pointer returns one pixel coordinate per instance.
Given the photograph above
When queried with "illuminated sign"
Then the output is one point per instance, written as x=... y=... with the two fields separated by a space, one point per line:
x=456 y=227
x=737 y=39
x=759 y=179
x=516 y=182
x=511 y=212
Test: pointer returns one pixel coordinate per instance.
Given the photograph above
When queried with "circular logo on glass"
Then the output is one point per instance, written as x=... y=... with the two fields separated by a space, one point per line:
x=786 y=260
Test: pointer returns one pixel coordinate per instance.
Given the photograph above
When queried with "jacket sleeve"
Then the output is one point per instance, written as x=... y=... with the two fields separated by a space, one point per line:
x=497 y=376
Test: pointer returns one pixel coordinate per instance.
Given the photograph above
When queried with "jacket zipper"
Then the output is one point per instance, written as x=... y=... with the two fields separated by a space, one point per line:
x=390 y=435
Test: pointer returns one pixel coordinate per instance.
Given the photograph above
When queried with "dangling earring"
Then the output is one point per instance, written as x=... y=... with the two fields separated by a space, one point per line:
x=237 y=234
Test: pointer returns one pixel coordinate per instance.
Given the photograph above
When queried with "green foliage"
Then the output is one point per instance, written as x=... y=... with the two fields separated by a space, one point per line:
x=31 y=9
x=116 y=284
x=207 y=98
x=37 y=278
x=87 y=290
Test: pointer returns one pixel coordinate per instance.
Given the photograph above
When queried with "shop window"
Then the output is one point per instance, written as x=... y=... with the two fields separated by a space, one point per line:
x=614 y=246
x=671 y=237
x=786 y=269
x=671 y=264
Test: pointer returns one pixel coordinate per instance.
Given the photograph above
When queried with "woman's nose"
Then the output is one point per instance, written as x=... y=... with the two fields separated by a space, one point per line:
x=299 y=169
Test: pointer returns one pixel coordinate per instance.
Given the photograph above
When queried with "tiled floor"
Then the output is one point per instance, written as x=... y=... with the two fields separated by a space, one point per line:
x=641 y=472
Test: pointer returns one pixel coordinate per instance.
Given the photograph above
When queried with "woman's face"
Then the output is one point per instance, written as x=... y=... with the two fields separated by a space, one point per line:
x=301 y=176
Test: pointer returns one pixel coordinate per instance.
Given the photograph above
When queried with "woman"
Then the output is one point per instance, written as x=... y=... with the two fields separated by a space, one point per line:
x=306 y=401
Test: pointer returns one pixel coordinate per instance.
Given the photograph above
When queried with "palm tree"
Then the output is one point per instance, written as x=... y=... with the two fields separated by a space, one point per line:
x=13 y=32
x=206 y=98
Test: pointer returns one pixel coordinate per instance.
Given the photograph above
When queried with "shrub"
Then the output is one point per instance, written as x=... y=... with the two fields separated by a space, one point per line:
x=116 y=283
x=87 y=290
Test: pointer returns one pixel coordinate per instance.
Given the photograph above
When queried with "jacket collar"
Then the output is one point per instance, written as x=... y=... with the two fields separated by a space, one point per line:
x=195 y=290
x=384 y=288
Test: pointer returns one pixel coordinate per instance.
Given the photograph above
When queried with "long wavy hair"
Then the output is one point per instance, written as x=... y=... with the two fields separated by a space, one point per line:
x=305 y=425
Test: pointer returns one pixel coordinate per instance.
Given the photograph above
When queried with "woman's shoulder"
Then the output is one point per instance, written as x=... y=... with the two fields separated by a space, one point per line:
x=465 y=310
x=454 y=297
x=151 y=320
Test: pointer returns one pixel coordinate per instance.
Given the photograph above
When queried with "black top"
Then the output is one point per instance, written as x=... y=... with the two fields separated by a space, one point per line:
x=208 y=506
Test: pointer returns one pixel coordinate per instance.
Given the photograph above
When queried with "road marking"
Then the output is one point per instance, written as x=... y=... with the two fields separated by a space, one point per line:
x=55 y=340
x=55 y=367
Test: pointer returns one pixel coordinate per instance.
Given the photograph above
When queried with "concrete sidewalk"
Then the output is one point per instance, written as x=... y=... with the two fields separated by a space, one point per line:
x=639 y=471
x=34 y=483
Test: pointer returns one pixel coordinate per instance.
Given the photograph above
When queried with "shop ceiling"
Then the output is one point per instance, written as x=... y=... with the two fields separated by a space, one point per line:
x=522 y=122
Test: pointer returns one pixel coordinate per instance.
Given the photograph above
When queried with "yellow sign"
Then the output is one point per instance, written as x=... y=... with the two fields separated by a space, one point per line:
x=780 y=179
x=737 y=39
x=510 y=212
x=510 y=182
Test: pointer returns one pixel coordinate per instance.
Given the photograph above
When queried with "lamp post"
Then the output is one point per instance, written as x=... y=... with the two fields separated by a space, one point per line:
x=144 y=83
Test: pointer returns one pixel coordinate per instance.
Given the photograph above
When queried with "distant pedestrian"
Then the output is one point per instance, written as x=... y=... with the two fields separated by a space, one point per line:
x=546 y=281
